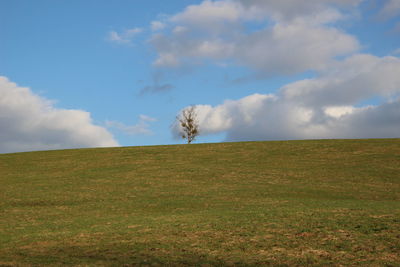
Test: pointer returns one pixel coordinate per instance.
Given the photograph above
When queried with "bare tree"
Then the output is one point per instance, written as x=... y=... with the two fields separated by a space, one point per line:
x=189 y=127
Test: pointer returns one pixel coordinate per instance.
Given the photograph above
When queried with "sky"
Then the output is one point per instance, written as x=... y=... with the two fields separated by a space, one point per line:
x=101 y=73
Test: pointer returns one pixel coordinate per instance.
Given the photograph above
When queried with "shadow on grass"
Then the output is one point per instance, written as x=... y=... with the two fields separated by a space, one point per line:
x=135 y=255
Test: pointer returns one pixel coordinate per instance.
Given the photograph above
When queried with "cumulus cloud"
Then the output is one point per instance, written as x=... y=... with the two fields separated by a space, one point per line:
x=327 y=106
x=312 y=48
x=30 y=122
x=141 y=128
x=279 y=119
x=217 y=31
x=209 y=13
x=284 y=38
x=290 y=10
x=357 y=78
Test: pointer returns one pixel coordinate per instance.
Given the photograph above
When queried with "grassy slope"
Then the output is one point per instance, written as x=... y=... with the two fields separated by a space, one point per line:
x=290 y=203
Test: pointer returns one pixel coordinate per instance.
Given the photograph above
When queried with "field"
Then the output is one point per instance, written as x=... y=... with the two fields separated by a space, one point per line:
x=286 y=203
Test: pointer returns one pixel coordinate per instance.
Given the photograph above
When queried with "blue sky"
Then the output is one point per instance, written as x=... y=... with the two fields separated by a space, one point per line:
x=106 y=73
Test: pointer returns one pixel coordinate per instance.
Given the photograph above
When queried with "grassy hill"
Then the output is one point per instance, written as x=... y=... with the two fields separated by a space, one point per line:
x=323 y=202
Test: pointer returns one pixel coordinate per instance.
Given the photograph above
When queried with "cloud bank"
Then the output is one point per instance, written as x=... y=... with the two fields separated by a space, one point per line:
x=30 y=122
x=324 y=107
x=219 y=31
x=352 y=95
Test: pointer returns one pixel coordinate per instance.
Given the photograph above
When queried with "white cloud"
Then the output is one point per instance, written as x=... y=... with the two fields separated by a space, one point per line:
x=216 y=31
x=338 y=111
x=213 y=13
x=125 y=37
x=289 y=10
x=141 y=128
x=167 y=60
x=381 y=121
x=30 y=122
x=132 y=32
x=279 y=119
x=256 y=117
x=147 y=118
x=242 y=111
x=113 y=36
x=357 y=78
x=208 y=13
x=311 y=48
x=323 y=107
x=179 y=29
x=287 y=37
x=157 y=25
x=266 y=51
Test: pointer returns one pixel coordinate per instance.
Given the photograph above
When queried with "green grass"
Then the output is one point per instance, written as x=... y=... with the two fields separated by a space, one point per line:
x=289 y=203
